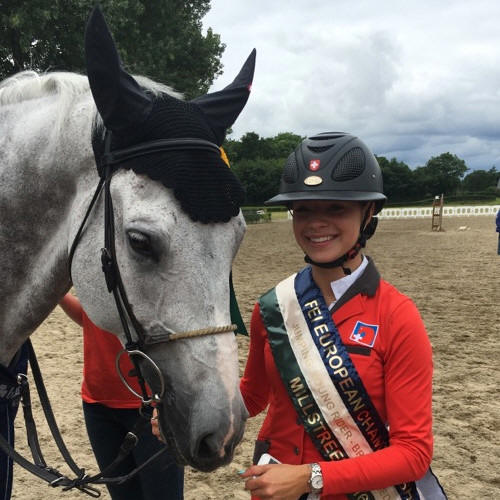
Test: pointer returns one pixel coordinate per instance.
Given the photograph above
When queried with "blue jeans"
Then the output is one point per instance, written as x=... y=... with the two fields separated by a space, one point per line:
x=160 y=480
x=8 y=410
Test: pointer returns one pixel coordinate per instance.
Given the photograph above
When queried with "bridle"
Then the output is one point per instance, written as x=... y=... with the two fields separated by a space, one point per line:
x=108 y=164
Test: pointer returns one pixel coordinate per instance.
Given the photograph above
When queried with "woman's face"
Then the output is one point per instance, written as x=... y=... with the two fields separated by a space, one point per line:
x=326 y=230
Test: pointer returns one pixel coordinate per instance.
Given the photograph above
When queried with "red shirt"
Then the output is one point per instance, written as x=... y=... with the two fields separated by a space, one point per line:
x=397 y=376
x=101 y=383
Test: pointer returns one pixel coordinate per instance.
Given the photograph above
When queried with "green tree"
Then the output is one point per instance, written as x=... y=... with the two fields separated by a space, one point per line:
x=261 y=178
x=399 y=182
x=161 y=39
x=259 y=161
x=481 y=180
x=283 y=144
x=443 y=174
x=424 y=184
x=252 y=146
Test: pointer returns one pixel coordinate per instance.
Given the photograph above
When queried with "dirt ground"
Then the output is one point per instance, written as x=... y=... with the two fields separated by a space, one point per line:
x=453 y=276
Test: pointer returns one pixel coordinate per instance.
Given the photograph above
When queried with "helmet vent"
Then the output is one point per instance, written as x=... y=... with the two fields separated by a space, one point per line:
x=327 y=136
x=318 y=149
x=350 y=166
x=291 y=171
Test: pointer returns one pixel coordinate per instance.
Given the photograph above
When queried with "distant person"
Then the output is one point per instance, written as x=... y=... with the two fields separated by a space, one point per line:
x=9 y=404
x=111 y=411
x=498 y=230
x=338 y=356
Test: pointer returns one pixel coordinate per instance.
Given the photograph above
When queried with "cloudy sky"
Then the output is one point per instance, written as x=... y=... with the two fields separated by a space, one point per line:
x=412 y=78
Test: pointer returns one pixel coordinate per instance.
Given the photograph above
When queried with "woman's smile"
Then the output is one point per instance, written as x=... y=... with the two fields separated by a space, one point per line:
x=320 y=239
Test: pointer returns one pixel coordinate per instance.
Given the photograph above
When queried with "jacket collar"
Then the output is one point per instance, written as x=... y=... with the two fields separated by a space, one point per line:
x=367 y=284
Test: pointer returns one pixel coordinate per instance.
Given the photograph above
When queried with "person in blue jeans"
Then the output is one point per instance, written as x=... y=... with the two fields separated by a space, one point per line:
x=111 y=410
x=498 y=230
x=9 y=405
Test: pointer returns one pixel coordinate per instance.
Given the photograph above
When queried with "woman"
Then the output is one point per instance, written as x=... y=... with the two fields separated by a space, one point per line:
x=497 y=222
x=339 y=355
x=111 y=411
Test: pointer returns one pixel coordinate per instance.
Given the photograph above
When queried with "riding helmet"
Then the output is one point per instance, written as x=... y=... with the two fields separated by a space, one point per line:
x=331 y=166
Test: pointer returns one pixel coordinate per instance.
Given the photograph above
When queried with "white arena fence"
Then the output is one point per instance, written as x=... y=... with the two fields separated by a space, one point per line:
x=424 y=212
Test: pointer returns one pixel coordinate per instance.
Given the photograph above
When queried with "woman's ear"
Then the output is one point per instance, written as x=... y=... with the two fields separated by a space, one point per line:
x=370 y=222
x=371 y=209
x=368 y=209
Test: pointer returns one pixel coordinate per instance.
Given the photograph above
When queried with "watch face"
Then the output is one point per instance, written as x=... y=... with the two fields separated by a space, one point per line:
x=317 y=482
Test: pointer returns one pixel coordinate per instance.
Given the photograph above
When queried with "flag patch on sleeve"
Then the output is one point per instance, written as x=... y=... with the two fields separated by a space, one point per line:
x=364 y=334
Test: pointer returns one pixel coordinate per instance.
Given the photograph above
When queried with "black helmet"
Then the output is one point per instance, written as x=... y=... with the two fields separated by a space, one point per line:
x=331 y=166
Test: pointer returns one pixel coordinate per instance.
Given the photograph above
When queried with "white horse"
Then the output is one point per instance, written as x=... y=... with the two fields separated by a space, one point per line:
x=175 y=232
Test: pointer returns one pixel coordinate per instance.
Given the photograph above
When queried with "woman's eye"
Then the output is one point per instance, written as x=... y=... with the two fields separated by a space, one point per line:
x=140 y=243
x=301 y=210
x=335 y=209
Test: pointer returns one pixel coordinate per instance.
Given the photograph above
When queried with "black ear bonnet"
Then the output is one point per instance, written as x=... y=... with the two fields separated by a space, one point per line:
x=204 y=185
x=202 y=182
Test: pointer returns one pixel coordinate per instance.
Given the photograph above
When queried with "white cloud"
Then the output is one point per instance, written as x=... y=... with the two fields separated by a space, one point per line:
x=413 y=79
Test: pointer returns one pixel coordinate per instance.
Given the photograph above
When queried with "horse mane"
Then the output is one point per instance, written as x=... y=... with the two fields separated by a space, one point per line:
x=28 y=85
x=67 y=86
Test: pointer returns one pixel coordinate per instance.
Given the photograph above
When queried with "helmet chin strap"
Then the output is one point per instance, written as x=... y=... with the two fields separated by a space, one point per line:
x=365 y=232
x=340 y=261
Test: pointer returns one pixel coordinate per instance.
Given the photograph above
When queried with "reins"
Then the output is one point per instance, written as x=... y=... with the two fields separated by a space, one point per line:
x=134 y=347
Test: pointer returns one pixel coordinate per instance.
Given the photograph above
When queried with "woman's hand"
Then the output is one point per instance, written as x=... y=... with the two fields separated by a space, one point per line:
x=277 y=481
x=155 y=427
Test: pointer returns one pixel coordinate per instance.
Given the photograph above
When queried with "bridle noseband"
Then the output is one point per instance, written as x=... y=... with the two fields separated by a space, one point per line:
x=108 y=164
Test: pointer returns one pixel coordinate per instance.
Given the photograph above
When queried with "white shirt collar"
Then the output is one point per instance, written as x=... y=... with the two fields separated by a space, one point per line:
x=340 y=286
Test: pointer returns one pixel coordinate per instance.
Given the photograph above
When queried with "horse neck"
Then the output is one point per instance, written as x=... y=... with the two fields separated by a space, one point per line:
x=44 y=171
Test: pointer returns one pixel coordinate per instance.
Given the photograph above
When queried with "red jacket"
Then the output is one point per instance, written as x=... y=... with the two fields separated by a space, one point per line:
x=397 y=375
x=101 y=383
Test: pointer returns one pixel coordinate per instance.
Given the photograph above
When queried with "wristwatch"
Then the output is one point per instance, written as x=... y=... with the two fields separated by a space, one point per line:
x=316 y=479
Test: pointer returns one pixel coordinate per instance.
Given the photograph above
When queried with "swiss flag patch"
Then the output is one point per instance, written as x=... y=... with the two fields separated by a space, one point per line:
x=364 y=334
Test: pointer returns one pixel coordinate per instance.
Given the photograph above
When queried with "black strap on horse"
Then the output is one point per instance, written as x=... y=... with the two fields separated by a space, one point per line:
x=19 y=390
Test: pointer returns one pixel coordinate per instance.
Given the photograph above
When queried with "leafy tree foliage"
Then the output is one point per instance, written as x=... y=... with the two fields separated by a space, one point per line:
x=261 y=178
x=259 y=161
x=399 y=182
x=251 y=146
x=481 y=180
x=159 y=39
x=444 y=173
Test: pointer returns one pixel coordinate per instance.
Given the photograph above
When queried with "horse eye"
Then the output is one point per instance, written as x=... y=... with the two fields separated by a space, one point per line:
x=140 y=243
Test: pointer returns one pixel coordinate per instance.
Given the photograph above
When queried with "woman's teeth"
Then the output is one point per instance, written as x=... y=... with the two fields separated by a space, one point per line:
x=321 y=239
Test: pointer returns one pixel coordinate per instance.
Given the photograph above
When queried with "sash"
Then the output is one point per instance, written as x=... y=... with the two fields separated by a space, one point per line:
x=322 y=382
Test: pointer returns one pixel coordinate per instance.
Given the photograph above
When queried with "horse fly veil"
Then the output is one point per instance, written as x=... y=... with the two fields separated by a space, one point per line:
x=172 y=141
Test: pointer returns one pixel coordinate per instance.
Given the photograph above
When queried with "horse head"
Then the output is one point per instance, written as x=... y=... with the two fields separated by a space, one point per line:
x=176 y=226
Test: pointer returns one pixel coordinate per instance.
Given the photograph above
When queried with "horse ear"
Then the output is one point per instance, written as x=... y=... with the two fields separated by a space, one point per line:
x=223 y=107
x=119 y=99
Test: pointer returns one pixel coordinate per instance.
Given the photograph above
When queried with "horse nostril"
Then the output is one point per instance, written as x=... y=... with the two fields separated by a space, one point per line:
x=207 y=446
